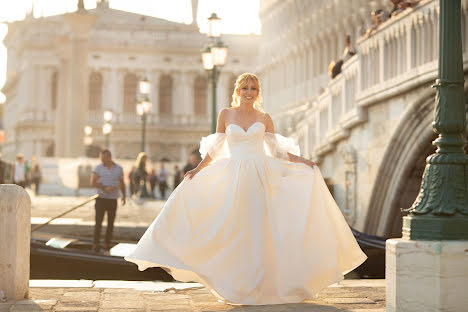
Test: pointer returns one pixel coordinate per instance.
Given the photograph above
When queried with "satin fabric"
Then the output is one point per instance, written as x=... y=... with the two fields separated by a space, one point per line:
x=253 y=228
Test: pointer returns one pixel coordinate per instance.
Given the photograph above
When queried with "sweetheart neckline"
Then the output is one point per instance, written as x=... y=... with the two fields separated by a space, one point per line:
x=246 y=131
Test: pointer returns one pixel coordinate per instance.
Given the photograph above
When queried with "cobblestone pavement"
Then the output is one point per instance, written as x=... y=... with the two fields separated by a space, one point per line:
x=120 y=296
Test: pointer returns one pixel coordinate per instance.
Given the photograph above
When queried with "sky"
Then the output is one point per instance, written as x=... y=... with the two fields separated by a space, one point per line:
x=238 y=16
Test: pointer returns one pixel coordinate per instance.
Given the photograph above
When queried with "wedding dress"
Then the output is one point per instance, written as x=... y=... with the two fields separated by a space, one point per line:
x=253 y=227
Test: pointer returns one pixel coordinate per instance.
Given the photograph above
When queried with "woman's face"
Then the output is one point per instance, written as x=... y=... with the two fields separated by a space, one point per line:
x=248 y=93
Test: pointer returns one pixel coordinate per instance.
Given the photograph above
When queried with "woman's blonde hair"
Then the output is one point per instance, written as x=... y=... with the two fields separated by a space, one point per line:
x=241 y=82
x=139 y=159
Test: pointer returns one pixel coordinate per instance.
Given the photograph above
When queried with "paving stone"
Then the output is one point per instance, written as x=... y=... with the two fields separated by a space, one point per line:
x=367 y=310
x=122 y=310
x=75 y=309
x=122 y=304
x=28 y=308
x=171 y=310
x=341 y=295
x=349 y=300
x=81 y=296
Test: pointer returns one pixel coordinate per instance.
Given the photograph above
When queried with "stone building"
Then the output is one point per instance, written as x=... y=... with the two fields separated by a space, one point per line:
x=369 y=128
x=63 y=71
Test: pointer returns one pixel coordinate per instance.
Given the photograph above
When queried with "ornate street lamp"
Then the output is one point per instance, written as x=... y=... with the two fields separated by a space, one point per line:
x=440 y=212
x=213 y=57
x=214 y=26
x=107 y=127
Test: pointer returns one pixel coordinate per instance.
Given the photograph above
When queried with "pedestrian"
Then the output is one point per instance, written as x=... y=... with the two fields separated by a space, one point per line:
x=192 y=162
x=19 y=171
x=35 y=175
x=107 y=177
x=132 y=181
x=141 y=175
x=177 y=176
x=378 y=17
x=153 y=181
x=254 y=221
x=162 y=180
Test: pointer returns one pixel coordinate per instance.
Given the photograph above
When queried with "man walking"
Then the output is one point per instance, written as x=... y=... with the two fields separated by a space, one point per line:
x=107 y=178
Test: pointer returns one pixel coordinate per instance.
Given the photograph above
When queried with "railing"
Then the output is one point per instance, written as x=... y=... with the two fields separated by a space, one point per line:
x=37 y=115
x=167 y=120
x=400 y=56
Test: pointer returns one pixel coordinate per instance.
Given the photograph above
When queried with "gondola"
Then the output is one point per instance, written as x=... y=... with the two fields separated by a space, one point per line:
x=55 y=257
x=374 y=247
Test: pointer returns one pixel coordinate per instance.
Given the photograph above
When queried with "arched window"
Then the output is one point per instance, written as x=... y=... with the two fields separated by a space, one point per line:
x=53 y=91
x=165 y=94
x=199 y=93
x=95 y=91
x=231 y=87
x=130 y=88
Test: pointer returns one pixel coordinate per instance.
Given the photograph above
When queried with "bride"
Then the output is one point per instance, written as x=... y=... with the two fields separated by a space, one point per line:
x=254 y=222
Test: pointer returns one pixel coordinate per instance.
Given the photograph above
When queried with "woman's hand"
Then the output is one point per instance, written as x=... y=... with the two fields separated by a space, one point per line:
x=299 y=159
x=309 y=163
x=190 y=174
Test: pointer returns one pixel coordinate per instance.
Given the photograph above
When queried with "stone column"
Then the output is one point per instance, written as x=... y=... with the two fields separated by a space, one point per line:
x=178 y=82
x=188 y=84
x=154 y=80
x=15 y=235
x=222 y=91
x=80 y=24
x=63 y=48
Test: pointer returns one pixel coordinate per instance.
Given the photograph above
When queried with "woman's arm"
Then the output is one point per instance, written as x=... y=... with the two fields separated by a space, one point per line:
x=220 y=128
x=205 y=162
x=299 y=159
x=270 y=127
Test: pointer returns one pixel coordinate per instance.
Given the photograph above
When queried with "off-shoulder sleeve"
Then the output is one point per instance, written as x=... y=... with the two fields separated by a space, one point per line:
x=214 y=145
x=278 y=146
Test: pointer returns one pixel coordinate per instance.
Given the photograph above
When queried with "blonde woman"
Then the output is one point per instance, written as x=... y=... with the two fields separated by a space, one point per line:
x=254 y=222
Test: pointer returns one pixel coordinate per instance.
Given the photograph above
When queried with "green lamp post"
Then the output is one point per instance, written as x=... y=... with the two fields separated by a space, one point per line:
x=214 y=57
x=143 y=108
x=440 y=212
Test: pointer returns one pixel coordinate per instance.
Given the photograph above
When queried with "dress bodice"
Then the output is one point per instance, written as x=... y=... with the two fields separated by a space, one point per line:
x=246 y=144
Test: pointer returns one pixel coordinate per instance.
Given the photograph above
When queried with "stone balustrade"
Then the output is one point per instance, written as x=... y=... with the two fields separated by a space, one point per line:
x=400 y=56
x=37 y=115
x=95 y=118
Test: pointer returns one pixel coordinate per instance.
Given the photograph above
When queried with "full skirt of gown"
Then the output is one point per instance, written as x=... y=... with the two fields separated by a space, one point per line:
x=253 y=230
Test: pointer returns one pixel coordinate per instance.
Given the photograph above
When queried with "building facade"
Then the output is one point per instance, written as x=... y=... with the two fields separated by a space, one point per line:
x=369 y=128
x=64 y=71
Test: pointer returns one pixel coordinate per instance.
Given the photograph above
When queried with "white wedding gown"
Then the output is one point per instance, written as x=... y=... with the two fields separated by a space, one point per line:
x=252 y=227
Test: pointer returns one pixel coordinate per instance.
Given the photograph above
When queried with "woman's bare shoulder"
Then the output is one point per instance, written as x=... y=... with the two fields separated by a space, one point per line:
x=225 y=112
x=268 y=122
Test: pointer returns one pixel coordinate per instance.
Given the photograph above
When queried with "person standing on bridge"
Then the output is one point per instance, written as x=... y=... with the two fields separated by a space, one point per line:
x=108 y=178
x=254 y=221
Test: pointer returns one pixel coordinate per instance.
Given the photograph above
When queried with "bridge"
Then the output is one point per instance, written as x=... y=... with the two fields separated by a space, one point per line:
x=370 y=128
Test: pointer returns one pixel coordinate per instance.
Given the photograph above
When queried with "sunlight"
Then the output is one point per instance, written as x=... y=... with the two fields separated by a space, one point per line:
x=238 y=17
